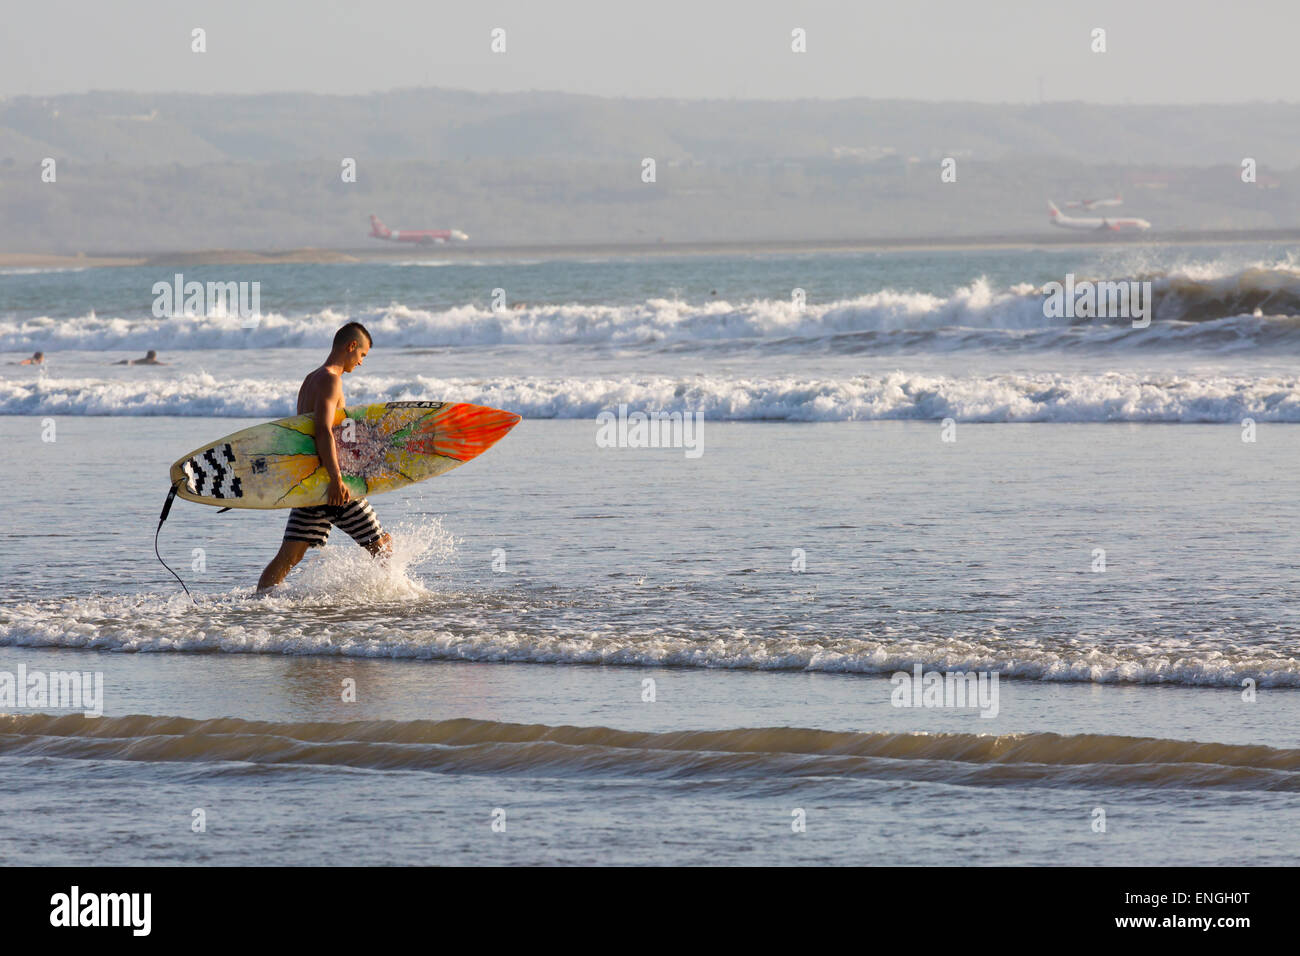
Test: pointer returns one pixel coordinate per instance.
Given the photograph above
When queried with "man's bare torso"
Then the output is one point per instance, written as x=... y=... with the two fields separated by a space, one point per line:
x=319 y=384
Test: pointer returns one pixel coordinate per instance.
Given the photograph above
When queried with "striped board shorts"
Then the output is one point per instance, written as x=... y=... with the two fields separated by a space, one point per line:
x=313 y=525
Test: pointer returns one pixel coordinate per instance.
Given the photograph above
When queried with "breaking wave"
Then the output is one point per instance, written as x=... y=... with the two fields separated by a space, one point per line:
x=1128 y=396
x=492 y=747
x=333 y=608
x=1253 y=307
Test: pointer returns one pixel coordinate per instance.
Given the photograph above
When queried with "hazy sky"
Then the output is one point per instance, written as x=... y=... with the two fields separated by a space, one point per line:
x=1159 y=51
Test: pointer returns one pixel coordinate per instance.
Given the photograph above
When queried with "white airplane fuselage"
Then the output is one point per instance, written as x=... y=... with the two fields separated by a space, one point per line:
x=1117 y=224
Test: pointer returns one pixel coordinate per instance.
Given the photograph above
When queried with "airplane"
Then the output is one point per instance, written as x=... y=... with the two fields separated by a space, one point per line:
x=1094 y=203
x=1072 y=222
x=379 y=231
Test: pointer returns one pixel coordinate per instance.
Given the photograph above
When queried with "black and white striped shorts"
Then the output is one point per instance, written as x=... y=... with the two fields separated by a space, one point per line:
x=312 y=525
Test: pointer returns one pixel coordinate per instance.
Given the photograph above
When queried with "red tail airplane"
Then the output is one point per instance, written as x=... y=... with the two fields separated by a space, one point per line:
x=379 y=231
x=1058 y=218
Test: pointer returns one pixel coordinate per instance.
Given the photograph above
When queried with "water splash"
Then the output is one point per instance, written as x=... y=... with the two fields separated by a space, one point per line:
x=342 y=573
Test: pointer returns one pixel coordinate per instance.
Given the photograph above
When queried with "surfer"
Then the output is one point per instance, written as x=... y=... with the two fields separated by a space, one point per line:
x=322 y=396
x=37 y=358
x=151 y=358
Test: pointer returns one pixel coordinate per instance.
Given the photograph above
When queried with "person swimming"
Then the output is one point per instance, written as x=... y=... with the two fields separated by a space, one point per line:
x=151 y=358
x=38 y=358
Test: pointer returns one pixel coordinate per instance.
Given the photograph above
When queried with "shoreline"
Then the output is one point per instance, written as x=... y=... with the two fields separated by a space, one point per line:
x=590 y=773
x=388 y=253
x=179 y=684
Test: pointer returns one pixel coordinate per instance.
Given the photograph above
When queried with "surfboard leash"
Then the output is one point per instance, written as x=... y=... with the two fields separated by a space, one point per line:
x=167 y=509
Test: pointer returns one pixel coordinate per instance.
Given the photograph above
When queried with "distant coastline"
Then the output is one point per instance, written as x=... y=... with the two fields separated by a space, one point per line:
x=469 y=252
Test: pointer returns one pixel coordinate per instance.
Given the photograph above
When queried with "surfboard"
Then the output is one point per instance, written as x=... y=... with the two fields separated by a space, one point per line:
x=380 y=447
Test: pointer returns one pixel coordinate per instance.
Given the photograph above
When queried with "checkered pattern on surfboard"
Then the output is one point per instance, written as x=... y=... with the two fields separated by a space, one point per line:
x=206 y=474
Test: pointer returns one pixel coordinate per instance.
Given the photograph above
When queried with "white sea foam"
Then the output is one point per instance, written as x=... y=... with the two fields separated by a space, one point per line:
x=1242 y=302
x=1011 y=397
x=39 y=270
x=406 y=621
x=352 y=575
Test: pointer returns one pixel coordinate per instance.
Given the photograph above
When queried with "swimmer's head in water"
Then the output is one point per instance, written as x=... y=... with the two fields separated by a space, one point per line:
x=151 y=354
x=351 y=345
x=38 y=357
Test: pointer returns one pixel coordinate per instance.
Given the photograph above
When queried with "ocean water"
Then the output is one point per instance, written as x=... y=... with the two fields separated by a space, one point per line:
x=643 y=655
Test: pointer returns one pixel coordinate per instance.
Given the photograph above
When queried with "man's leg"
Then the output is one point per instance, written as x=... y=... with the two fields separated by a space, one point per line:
x=381 y=546
x=358 y=519
x=306 y=528
x=291 y=552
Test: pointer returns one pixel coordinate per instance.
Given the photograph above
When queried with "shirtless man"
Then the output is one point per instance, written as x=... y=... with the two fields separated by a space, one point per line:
x=322 y=395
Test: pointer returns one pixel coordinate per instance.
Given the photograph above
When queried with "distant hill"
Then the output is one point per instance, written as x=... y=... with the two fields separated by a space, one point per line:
x=141 y=172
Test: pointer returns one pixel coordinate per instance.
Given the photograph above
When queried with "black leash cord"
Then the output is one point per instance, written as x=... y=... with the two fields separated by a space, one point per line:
x=167 y=509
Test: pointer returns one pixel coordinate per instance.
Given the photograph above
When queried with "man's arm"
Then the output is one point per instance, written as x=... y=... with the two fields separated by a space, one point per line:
x=327 y=401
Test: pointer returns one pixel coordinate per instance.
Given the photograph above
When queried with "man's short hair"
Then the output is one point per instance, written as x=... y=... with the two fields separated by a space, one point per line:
x=352 y=332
